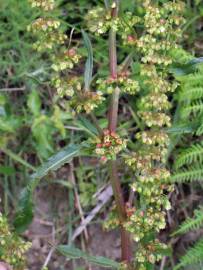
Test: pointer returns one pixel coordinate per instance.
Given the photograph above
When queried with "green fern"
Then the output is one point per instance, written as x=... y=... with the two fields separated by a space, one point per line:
x=180 y=56
x=189 y=174
x=191 y=93
x=194 y=223
x=189 y=162
x=191 y=80
x=193 y=256
x=194 y=108
x=199 y=130
x=190 y=155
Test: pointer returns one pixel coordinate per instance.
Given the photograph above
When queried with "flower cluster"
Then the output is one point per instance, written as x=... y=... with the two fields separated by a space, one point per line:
x=99 y=20
x=143 y=159
x=81 y=101
x=86 y=101
x=155 y=118
x=48 y=33
x=159 y=22
x=155 y=100
x=44 y=25
x=149 y=162
x=149 y=253
x=13 y=248
x=113 y=221
x=66 y=87
x=109 y=145
x=122 y=81
x=142 y=222
x=63 y=60
x=66 y=59
x=153 y=137
x=43 y=4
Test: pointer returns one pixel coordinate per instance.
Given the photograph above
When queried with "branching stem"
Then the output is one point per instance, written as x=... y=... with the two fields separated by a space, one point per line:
x=113 y=171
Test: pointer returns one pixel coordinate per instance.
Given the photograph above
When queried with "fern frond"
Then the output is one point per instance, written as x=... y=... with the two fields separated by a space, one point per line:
x=180 y=56
x=194 y=223
x=200 y=129
x=191 y=80
x=193 y=256
x=195 y=108
x=188 y=175
x=189 y=94
x=190 y=155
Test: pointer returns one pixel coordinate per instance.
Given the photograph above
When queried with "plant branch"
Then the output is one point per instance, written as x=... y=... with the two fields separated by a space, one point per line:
x=113 y=171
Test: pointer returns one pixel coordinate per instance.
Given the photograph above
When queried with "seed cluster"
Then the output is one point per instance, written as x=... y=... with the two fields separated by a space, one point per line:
x=48 y=33
x=99 y=21
x=109 y=145
x=122 y=81
x=161 y=32
x=151 y=252
x=43 y=4
x=66 y=87
x=162 y=26
x=51 y=36
x=65 y=59
x=86 y=101
x=12 y=247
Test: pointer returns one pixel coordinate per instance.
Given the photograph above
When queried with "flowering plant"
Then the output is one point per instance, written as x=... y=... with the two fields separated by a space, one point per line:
x=151 y=36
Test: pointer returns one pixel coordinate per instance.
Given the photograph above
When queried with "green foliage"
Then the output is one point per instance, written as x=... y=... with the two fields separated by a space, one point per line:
x=16 y=44
x=193 y=223
x=189 y=174
x=153 y=86
x=193 y=154
x=189 y=159
x=25 y=209
x=74 y=253
x=188 y=163
x=56 y=161
x=193 y=256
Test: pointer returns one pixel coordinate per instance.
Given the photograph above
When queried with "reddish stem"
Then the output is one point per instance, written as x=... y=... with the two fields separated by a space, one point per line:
x=113 y=118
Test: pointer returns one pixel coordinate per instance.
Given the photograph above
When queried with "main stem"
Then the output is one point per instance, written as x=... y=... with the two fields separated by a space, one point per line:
x=126 y=252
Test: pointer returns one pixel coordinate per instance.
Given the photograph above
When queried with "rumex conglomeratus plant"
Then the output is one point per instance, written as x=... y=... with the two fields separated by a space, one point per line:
x=151 y=36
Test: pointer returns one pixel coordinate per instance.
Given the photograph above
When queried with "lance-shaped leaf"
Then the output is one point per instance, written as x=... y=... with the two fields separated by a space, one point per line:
x=75 y=253
x=89 y=62
x=25 y=209
x=56 y=161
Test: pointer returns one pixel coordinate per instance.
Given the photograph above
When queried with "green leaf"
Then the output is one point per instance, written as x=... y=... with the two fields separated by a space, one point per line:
x=74 y=253
x=34 y=102
x=7 y=170
x=9 y=124
x=56 y=161
x=87 y=126
x=89 y=62
x=17 y=158
x=25 y=209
